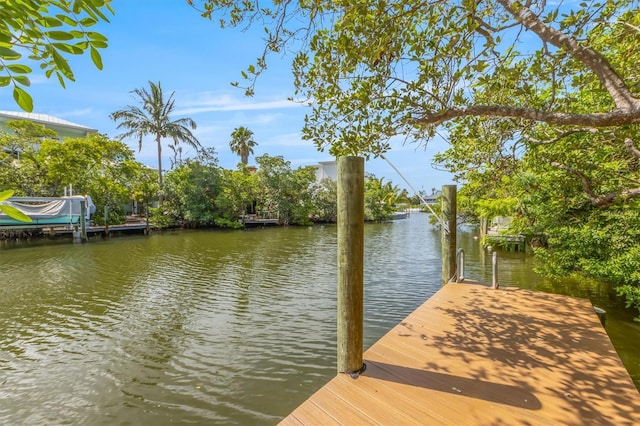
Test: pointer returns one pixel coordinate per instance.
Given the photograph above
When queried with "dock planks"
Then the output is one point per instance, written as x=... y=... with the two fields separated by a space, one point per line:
x=472 y=355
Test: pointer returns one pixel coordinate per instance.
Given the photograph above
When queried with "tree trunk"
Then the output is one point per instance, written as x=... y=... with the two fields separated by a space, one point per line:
x=159 y=161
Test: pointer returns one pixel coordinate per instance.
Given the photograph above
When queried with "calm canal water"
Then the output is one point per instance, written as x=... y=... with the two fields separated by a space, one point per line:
x=215 y=327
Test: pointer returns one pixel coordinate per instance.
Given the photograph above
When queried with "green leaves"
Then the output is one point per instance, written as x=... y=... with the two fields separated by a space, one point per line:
x=19 y=69
x=59 y=35
x=7 y=54
x=23 y=99
x=14 y=213
x=11 y=211
x=96 y=58
x=6 y=194
x=49 y=31
x=376 y=70
x=88 y=22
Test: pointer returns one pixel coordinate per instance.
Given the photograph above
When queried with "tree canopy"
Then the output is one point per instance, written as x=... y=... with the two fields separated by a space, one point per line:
x=46 y=32
x=372 y=70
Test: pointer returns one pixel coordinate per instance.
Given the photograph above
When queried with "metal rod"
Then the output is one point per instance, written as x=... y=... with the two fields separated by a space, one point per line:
x=460 y=264
x=416 y=192
x=448 y=239
x=494 y=268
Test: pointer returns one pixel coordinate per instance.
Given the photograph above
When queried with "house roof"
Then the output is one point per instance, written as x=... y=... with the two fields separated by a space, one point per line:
x=43 y=119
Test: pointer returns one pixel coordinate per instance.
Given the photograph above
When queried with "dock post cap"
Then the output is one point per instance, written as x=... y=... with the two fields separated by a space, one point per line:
x=602 y=315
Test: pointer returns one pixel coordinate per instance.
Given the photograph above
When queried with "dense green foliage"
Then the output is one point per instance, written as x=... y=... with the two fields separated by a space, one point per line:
x=283 y=191
x=574 y=189
x=381 y=198
x=48 y=31
x=35 y=164
x=237 y=195
x=197 y=192
x=191 y=191
x=325 y=198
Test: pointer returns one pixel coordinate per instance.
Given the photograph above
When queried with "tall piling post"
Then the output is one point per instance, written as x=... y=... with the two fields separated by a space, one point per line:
x=350 y=264
x=448 y=241
x=83 y=221
x=146 y=218
x=106 y=221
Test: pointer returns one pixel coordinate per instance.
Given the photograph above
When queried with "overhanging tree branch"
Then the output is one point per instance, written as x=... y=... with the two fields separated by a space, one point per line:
x=614 y=118
x=593 y=60
x=631 y=147
x=559 y=137
x=628 y=106
x=604 y=200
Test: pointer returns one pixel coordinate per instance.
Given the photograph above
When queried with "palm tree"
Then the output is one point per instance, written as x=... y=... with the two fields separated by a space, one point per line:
x=380 y=198
x=242 y=143
x=154 y=119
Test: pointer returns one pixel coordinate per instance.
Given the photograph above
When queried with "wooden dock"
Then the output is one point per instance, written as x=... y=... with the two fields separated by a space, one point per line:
x=471 y=355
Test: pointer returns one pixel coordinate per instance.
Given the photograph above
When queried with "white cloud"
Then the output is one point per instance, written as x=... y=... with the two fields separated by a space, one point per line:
x=206 y=102
x=265 y=118
x=210 y=132
x=38 y=79
x=286 y=139
x=84 y=112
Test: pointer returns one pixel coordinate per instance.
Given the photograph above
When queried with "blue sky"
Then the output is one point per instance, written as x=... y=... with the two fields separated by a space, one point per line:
x=167 y=41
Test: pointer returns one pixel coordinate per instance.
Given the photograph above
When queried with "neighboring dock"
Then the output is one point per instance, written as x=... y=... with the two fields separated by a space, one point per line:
x=252 y=220
x=473 y=355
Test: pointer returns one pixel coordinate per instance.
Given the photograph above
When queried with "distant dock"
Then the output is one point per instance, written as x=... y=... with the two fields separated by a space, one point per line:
x=132 y=225
x=252 y=220
x=471 y=355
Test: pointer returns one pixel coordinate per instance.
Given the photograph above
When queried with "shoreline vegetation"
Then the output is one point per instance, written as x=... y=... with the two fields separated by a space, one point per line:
x=198 y=193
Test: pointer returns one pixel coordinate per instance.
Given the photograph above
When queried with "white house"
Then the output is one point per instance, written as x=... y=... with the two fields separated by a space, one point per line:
x=64 y=128
x=327 y=169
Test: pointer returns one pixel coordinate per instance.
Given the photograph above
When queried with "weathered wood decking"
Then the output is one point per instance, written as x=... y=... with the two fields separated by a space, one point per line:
x=471 y=355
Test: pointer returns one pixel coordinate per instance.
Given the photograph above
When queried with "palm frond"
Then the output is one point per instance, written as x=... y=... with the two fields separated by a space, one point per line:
x=154 y=118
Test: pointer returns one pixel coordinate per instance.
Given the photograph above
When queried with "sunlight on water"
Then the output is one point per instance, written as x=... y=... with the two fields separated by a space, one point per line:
x=208 y=327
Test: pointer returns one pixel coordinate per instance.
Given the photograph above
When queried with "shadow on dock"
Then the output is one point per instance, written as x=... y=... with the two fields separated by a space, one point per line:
x=448 y=383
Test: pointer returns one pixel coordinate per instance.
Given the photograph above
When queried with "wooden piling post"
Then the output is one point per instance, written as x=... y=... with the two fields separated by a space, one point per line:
x=106 y=221
x=448 y=241
x=83 y=221
x=484 y=227
x=146 y=217
x=350 y=264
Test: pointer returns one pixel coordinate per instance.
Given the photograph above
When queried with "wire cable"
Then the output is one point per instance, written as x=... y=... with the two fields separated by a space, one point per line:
x=439 y=219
